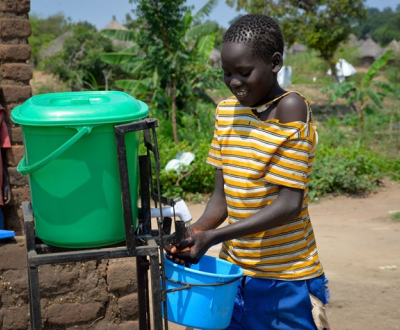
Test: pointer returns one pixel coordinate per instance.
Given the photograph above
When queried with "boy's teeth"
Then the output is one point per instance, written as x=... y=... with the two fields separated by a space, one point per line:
x=241 y=93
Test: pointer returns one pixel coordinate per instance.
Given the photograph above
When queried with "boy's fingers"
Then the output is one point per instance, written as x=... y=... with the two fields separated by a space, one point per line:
x=185 y=244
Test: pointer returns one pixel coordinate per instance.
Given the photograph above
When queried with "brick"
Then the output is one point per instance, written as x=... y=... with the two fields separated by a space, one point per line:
x=20 y=6
x=16 y=135
x=16 y=71
x=13 y=219
x=16 y=94
x=71 y=313
x=14 y=27
x=23 y=6
x=18 y=260
x=14 y=155
x=15 y=52
x=17 y=179
x=19 y=195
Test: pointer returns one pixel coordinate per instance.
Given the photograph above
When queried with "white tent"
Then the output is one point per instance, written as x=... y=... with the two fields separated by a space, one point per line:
x=344 y=69
x=285 y=76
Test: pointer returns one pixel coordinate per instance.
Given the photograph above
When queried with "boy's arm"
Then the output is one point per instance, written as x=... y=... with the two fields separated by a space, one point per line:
x=216 y=210
x=286 y=207
x=214 y=215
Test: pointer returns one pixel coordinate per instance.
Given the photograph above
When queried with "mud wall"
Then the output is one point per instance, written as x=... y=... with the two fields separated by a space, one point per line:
x=15 y=74
x=92 y=295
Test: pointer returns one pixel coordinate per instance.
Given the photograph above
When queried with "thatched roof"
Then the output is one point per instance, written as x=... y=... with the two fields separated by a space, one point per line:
x=296 y=48
x=394 y=45
x=55 y=46
x=215 y=58
x=114 y=25
x=370 y=48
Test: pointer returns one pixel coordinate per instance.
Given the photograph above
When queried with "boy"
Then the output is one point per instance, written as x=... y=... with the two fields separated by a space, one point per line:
x=263 y=150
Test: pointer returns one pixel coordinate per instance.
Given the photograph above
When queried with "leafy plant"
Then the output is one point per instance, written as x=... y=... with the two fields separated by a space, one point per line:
x=360 y=94
x=81 y=54
x=344 y=169
x=169 y=64
x=395 y=216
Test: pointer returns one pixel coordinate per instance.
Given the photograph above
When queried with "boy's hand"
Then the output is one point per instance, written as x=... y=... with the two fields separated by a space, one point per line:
x=173 y=250
x=194 y=247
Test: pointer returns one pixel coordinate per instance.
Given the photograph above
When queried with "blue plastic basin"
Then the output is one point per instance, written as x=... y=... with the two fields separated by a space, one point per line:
x=208 y=303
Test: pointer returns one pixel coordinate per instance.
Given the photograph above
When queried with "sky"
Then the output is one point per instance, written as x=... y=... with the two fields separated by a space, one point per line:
x=100 y=12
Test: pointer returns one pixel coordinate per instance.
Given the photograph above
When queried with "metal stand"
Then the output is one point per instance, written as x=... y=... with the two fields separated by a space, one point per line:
x=146 y=246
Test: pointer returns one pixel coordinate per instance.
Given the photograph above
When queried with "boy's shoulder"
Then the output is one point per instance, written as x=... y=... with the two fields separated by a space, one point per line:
x=292 y=107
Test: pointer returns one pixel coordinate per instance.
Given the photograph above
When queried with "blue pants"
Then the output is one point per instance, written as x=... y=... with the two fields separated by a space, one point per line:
x=262 y=304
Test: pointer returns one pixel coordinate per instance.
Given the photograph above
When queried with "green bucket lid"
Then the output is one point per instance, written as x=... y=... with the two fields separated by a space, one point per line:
x=79 y=108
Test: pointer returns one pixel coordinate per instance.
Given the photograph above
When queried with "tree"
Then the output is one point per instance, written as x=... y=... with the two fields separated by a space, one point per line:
x=79 y=63
x=383 y=26
x=361 y=95
x=170 y=56
x=45 y=30
x=322 y=24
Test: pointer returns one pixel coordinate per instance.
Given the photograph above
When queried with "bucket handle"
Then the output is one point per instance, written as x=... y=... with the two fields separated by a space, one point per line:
x=29 y=169
x=189 y=285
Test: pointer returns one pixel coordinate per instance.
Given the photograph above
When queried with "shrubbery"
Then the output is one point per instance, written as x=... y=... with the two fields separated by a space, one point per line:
x=344 y=163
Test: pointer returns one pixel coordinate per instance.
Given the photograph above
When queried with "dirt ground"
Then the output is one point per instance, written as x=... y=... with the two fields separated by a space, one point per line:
x=357 y=241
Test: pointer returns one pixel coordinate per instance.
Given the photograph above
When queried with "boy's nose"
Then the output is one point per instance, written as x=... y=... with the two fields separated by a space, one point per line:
x=235 y=82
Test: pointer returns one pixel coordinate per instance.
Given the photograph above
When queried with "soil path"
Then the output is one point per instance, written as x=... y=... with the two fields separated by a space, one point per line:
x=355 y=239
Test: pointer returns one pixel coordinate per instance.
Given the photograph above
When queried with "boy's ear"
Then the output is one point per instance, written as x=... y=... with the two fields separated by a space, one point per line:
x=277 y=62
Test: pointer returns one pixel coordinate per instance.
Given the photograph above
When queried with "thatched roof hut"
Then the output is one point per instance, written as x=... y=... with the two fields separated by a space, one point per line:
x=114 y=25
x=55 y=46
x=394 y=45
x=369 y=51
x=215 y=58
x=297 y=48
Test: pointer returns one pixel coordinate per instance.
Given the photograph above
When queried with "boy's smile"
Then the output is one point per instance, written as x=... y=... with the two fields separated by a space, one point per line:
x=252 y=80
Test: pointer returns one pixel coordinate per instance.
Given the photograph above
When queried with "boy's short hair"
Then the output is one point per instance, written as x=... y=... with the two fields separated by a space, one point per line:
x=262 y=31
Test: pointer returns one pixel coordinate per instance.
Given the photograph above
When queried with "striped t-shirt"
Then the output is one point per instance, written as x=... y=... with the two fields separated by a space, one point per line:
x=256 y=157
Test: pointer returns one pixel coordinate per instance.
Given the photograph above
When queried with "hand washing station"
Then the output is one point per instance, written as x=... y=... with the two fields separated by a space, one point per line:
x=86 y=175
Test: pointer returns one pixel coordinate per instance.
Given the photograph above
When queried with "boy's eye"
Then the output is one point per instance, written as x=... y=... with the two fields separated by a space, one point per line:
x=245 y=74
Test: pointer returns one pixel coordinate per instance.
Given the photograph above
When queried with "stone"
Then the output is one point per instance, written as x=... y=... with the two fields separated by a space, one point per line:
x=55 y=279
x=15 y=318
x=121 y=276
x=18 y=280
x=70 y=313
x=128 y=306
x=15 y=52
x=129 y=325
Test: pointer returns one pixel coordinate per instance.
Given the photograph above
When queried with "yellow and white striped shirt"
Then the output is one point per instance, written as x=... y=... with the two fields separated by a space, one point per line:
x=256 y=157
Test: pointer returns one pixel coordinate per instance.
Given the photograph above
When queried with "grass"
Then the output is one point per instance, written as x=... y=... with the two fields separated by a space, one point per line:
x=395 y=216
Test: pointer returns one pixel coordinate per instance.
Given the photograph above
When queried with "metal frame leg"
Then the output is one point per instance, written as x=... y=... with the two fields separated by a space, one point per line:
x=34 y=298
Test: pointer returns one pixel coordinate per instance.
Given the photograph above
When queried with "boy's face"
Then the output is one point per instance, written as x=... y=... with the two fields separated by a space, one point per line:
x=252 y=80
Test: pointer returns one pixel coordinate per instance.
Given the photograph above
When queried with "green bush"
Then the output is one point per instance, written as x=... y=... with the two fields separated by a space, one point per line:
x=192 y=181
x=344 y=169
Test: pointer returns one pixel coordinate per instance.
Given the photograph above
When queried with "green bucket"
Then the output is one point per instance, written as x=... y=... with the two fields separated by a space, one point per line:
x=71 y=160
